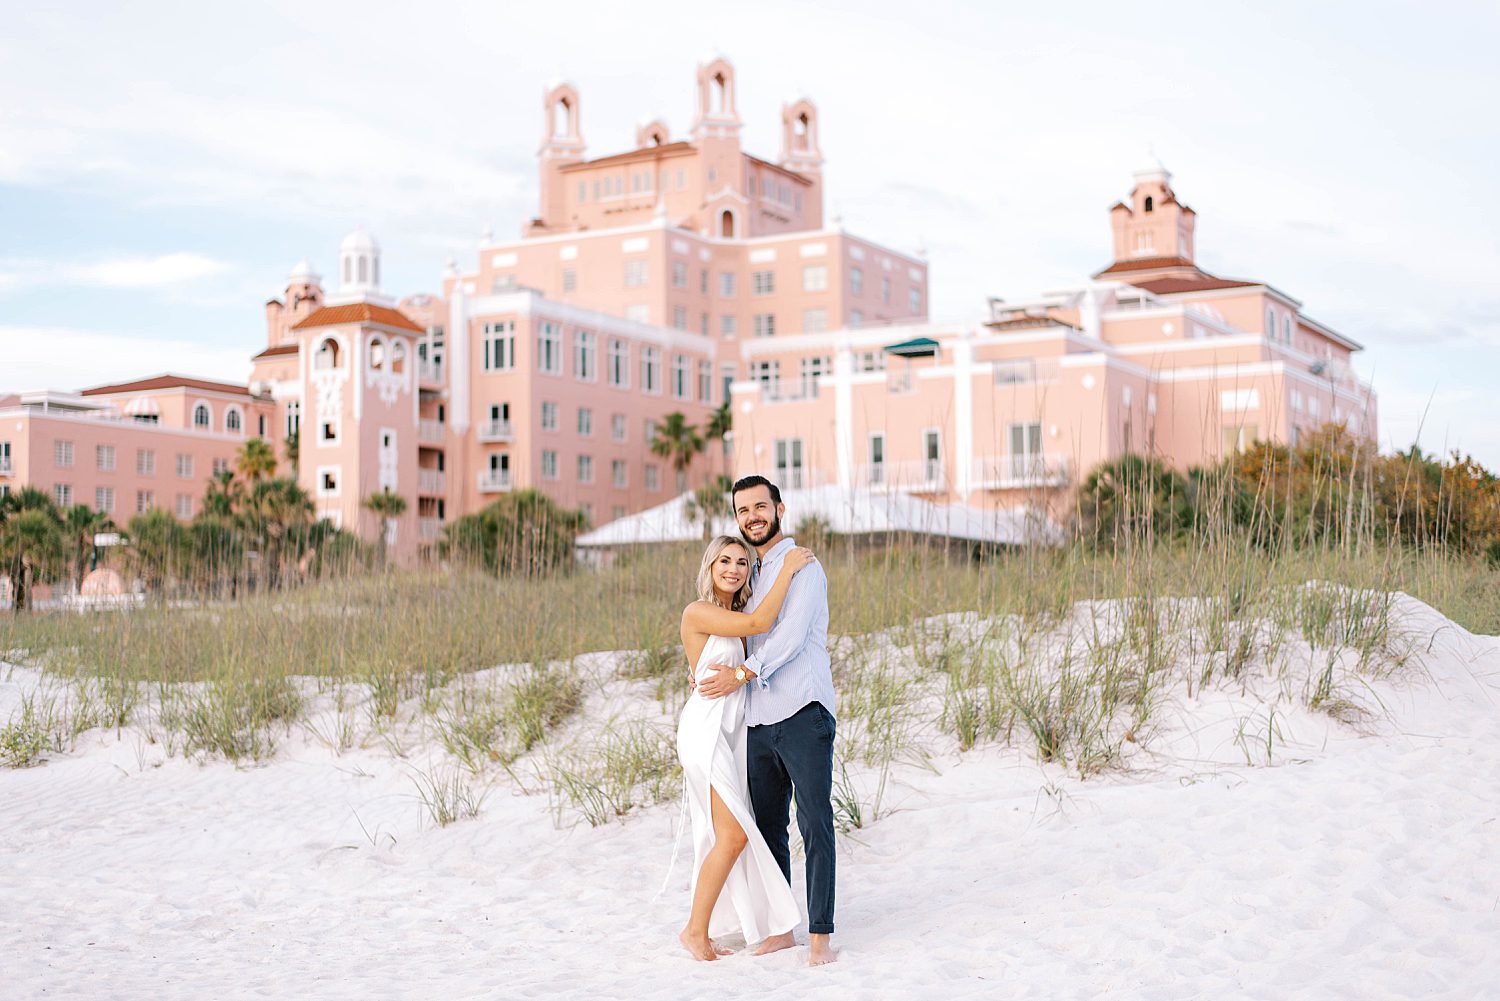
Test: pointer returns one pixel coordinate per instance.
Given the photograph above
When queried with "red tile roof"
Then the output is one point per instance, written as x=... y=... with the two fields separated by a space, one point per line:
x=644 y=153
x=1169 y=286
x=360 y=312
x=1147 y=264
x=278 y=349
x=1022 y=322
x=167 y=382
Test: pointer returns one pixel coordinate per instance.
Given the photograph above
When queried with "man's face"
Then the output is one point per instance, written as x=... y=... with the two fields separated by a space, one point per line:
x=758 y=516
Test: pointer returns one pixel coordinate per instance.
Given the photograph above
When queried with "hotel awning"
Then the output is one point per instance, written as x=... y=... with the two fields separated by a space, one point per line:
x=918 y=347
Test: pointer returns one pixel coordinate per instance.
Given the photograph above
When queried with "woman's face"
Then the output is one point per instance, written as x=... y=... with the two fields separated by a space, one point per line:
x=731 y=569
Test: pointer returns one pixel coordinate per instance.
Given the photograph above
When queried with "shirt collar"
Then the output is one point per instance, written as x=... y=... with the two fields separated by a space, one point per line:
x=779 y=550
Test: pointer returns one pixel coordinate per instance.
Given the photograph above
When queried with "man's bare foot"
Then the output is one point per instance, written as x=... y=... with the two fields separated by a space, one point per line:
x=700 y=946
x=820 y=950
x=775 y=944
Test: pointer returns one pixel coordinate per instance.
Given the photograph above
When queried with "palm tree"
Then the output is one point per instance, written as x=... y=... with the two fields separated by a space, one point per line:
x=720 y=424
x=387 y=506
x=223 y=495
x=292 y=446
x=79 y=526
x=157 y=547
x=276 y=513
x=256 y=460
x=677 y=441
x=30 y=541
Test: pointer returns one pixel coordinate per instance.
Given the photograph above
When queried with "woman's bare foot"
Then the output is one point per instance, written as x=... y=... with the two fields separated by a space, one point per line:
x=700 y=946
x=775 y=944
x=820 y=951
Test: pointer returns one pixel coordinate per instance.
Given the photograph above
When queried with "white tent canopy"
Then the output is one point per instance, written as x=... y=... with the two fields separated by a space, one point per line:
x=846 y=512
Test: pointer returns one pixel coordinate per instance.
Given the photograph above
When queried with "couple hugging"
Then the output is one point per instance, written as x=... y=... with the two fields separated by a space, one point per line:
x=757 y=730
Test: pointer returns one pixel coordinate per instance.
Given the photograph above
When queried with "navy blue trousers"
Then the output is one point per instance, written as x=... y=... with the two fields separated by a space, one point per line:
x=796 y=756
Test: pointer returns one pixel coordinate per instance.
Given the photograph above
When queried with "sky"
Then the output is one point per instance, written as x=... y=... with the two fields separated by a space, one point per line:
x=164 y=165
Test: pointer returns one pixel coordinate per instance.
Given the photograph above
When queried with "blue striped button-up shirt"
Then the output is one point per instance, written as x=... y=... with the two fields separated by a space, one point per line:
x=791 y=661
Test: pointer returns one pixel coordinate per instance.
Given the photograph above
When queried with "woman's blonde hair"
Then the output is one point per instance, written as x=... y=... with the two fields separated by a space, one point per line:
x=706 y=573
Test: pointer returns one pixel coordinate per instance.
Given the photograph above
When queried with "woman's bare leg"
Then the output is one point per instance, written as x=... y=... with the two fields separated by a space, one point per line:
x=729 y=841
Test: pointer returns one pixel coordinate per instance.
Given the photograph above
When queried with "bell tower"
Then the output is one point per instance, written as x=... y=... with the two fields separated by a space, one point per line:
x=1154 y=224
x=800 y=153
x=562 y=144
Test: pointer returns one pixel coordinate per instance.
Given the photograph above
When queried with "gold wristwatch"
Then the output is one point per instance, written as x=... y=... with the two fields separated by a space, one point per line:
x=741 y=676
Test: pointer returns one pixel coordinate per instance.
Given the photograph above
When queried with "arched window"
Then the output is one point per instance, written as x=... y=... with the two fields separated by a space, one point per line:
x=1149 y=204
x=364 y=269
x=328 y=355
x=347 y=276
x=726 y=225
x=233 y=421
x=377 y=353
x=1270 y=323
x=201 y=417
x=375 y=271
x=398 y=357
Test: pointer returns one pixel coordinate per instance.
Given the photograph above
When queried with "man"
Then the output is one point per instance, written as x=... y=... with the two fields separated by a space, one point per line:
x=789 y=711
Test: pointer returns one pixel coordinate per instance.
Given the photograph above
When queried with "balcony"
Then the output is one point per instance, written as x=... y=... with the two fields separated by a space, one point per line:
x=900 y=381
x=5 y=465
x=789 y=392
x=431 y=481
x=494 y=481
x=429 y=529
x=430 y=432
x=1009 y=472
x=922 y=476
x=496 y=430
x=800 y=477
x=430 y=372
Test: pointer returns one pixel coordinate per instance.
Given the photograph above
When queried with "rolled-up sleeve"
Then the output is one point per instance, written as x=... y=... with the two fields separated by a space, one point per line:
x=807 y=595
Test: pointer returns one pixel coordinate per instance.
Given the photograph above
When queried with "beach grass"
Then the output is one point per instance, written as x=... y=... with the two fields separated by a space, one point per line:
x=1068 y=653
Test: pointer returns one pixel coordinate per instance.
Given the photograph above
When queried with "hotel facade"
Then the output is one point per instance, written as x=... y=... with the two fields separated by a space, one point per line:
x=673 y=278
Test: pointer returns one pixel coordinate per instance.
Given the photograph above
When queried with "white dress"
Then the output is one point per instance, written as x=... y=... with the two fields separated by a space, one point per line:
x=756 y=899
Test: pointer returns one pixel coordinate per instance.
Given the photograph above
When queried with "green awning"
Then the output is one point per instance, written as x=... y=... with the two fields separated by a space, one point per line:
x=920 y=347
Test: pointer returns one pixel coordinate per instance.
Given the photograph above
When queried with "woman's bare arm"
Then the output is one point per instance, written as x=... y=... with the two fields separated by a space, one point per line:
x=710 y=619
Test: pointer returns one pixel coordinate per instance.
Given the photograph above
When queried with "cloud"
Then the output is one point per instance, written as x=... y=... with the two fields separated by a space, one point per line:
x=161 y=271
x=146 y=272
x=68 y=358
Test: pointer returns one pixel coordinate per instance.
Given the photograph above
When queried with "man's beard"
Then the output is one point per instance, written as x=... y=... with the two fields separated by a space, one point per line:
x=772 y=529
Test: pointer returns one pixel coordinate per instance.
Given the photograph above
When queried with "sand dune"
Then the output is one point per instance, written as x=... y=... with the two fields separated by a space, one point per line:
x=1360 y=865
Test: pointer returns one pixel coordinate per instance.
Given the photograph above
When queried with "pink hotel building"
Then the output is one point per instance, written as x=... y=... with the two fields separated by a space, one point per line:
x=677 y=276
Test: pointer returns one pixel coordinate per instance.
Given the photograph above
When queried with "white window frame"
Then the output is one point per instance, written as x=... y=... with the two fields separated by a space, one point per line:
x=815 y=278
x=585 y=356
x=548 y=420
x=618 y=427
x=619 y=363
x=208 y=411
x=549 y=348
x=338 y=481
x=104 y=458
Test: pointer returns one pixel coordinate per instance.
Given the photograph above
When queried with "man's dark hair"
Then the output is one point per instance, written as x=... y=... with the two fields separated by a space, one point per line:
x=746 y=482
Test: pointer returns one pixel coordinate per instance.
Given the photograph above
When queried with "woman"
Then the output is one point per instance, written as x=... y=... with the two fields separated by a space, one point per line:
x=736 y=883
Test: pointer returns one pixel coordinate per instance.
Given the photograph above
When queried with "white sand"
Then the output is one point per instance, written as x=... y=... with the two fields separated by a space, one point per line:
x=1360 y=866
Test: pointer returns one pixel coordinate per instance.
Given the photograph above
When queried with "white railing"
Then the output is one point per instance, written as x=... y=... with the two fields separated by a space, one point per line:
x=1000 y=472
x=496 y=430
x=1026 y=370
x=4 y=465
x=430 y=481
x=494 y=481
x=429 y=528
x=800 y=478
x=430 y=431
x=789 y=392
x=429 y=371
x=900 y=381
x=920 y=475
